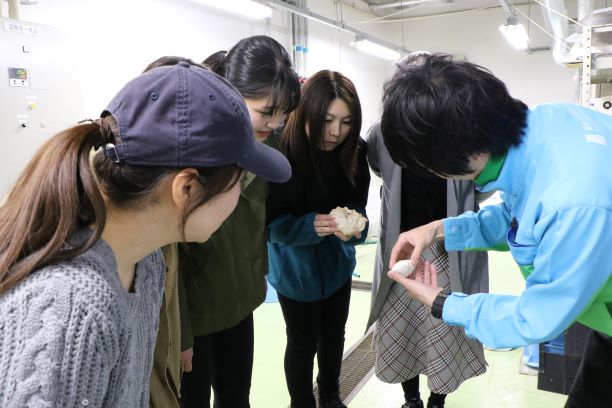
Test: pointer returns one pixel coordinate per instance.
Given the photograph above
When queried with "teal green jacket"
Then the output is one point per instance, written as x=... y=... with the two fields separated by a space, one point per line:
x=224 y=278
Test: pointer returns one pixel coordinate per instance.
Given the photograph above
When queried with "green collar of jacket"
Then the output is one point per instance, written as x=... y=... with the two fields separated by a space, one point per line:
x=491 y=170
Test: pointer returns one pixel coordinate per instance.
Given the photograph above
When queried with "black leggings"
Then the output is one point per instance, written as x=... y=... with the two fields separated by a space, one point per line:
x=593 y=386
x=223 y=360
x=314 y=328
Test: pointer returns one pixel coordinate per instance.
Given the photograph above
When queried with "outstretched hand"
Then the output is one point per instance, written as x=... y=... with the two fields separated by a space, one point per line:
x=411 y=244
x=421 y=285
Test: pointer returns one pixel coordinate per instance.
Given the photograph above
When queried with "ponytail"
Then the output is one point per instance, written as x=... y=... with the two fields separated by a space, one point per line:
x=54 y=196
x=60 y=191
x=217 y=63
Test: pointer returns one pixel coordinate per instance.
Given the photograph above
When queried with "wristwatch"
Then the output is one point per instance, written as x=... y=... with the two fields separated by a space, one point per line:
x=438 y=304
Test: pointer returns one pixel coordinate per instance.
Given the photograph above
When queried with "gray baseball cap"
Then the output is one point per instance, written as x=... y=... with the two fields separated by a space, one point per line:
x=186 y=116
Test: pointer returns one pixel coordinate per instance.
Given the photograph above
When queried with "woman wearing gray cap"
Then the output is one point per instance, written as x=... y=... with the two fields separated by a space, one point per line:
x=81 y=278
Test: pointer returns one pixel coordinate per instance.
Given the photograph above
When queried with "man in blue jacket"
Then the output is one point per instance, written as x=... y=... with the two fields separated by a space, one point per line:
x=553 y=166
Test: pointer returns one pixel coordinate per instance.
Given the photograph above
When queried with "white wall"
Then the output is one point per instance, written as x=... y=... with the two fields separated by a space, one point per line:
x=532 y=78
x=115 y=39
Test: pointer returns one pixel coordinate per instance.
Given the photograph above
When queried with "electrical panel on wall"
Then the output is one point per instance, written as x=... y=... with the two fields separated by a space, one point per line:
x=40 y=93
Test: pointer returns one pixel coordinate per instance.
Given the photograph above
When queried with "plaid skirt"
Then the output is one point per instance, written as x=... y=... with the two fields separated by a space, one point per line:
x=409 y=341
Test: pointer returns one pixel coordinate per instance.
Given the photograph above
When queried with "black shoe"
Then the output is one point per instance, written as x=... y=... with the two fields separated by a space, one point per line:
x=413 y=403
x=330 y=401
x=437 y=403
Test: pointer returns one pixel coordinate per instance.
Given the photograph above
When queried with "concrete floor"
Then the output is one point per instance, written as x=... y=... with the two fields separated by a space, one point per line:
x=501 y=386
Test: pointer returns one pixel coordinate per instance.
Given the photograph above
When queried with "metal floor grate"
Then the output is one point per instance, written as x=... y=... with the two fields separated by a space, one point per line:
x=364 y=286
x=357 y=368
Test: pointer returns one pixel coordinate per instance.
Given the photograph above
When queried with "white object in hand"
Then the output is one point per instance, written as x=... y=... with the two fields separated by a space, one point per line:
x=349 y=221
x=404 y=268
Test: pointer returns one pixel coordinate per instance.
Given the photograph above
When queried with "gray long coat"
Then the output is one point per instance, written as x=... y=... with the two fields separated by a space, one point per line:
x=469 y=272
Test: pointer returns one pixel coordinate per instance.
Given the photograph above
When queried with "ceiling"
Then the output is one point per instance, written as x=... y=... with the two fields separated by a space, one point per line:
x=418 y=8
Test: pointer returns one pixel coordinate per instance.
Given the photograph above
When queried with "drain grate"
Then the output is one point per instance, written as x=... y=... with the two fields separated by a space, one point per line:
x=364 y=286
x=357 y=368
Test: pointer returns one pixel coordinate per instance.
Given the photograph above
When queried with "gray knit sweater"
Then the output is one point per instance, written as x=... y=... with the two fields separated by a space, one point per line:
x=70 y=336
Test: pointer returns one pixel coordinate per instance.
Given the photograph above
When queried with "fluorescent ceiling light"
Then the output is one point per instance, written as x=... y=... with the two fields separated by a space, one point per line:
x=374 y=49
x=245 y=8
x=515 y=34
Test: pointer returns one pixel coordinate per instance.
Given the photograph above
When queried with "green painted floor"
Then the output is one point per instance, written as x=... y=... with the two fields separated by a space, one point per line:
x=501 y=386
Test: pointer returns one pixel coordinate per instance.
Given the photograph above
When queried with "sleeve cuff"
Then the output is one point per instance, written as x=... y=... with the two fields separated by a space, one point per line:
x=186 y=342
x=454 y=239
x=456 y=309
x=309 y=226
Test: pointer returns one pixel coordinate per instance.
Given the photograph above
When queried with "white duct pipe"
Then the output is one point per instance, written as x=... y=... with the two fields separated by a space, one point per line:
x=305 y=40
x=559 y=27
x=13 y=9
x=585 y=8
x=299 y=39
x=397 y=4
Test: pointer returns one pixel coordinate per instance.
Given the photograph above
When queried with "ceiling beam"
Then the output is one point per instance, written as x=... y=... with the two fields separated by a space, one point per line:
x=332 y=23
x=507 y=8
x=445 y=14
x=398 y=4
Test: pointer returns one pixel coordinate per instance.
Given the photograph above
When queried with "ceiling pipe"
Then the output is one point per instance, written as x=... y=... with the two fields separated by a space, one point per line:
x=332 y=23
x=537 y=49
x=361 y=5
x=585 y=8
x=504 y=4
x=13 y=9
x=398 y=4
x=445 y=14
x=559 y=27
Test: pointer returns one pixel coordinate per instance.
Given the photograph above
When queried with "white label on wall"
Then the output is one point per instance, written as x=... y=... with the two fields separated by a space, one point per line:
x=22 y=28
x=18 y=77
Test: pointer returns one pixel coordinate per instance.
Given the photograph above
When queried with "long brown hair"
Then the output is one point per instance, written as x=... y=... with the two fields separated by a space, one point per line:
x=304 y=148
x=57 y=193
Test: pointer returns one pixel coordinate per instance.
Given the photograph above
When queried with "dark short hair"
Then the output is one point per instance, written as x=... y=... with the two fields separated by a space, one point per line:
x=438 y=111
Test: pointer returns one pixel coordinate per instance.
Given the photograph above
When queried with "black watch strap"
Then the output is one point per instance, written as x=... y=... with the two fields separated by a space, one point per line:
x=438 y=304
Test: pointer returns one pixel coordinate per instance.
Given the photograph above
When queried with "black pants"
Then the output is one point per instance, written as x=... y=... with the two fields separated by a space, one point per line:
x=593 y=385
x=314 y=328
x=223 y=360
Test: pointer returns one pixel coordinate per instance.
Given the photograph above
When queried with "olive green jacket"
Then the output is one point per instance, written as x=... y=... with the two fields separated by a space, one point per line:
x=224 y=278
x=166 y=373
